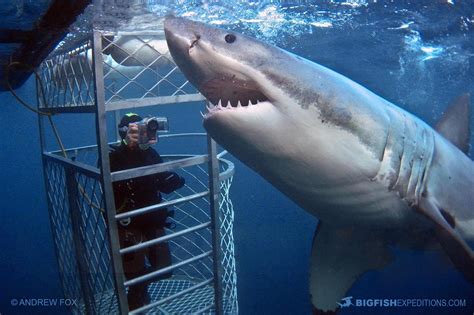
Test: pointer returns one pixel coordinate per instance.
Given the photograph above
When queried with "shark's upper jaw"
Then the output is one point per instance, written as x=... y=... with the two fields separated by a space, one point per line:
x=229 y=90
x=211 y=72
x=230 y=93
x=222 y=107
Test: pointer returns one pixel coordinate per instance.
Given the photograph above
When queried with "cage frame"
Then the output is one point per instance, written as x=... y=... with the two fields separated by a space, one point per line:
x=100 y=107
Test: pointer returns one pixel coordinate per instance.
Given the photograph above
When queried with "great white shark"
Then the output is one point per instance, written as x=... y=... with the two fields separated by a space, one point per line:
x=373 y=174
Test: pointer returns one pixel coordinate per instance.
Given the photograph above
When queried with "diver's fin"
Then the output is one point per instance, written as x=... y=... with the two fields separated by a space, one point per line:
x=458 y=251
x=454 y=124
x=339 y=256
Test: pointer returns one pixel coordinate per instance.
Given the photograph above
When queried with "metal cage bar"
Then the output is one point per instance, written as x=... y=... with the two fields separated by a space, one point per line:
x=153 y=169
x=162 y=239
x=105 y=170
x=134 y=213
x=214 y=187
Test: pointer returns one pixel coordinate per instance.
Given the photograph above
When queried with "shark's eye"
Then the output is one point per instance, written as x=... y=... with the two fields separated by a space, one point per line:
x=230 y=38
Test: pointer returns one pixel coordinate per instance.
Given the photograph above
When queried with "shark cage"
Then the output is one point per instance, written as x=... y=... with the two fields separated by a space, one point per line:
x=84 y=87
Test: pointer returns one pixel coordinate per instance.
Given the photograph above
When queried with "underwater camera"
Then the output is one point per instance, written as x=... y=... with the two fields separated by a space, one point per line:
x=148 y=128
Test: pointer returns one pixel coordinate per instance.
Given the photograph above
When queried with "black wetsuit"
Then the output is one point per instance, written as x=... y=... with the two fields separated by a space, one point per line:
x=138 y=193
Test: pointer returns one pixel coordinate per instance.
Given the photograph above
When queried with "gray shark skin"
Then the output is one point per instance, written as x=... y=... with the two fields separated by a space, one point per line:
x=373 y=174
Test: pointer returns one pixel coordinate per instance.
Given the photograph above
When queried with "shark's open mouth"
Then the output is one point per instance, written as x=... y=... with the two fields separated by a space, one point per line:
x=228 y=91
x=221 y=106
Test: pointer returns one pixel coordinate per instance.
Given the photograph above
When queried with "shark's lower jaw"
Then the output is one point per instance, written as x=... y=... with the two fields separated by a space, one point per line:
x=222 y=107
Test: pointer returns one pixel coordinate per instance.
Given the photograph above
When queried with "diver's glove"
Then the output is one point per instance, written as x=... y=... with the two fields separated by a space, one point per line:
x=172 y=182
x=175 y=181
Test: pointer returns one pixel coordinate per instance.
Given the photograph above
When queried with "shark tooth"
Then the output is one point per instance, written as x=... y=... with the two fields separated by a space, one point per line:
x=238 y=104
x=250 y=103
x=219 y=103
x=229 y=105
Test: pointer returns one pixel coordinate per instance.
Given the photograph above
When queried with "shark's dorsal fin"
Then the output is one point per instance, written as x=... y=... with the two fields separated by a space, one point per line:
x=339 y=256
x=454 y=124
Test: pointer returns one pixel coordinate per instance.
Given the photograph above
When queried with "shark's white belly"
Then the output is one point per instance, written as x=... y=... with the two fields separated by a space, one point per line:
x=338 y=181
x=363 y=203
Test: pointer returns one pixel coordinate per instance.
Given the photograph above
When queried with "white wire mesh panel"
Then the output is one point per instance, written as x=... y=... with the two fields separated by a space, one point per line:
x=139 y=66
x=80 y=236
x=95 y=238
x=193 y=302
x=62 y=230
x=229 y=277
x=135 y=66
x=188 y=215
x=67 y=78
x=195 y=212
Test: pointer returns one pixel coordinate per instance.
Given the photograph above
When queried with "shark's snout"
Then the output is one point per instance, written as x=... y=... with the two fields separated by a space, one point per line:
x=173 y=23
x=178 y=34
x=182 y=36
x=182 y=32
x=205 y=55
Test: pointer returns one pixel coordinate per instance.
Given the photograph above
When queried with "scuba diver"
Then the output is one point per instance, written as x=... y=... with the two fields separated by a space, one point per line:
x=137 y=193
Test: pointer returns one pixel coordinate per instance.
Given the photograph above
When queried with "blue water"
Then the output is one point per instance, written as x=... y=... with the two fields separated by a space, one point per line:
x=416 y=54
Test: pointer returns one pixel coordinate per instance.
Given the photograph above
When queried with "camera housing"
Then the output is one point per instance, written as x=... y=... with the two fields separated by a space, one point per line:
x=148 y=128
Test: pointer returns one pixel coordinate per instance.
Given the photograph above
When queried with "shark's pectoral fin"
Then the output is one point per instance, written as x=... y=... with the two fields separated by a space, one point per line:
x=455 y=247
x=339 y=256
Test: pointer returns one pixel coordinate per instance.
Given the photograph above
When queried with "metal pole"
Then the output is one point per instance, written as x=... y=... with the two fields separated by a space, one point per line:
x=214 y=197
x=79 y=239
x=103 y=148
x=163 y=239
x=52 y=225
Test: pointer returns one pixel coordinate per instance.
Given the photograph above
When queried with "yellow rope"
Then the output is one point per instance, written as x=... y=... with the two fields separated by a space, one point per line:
x=53 y=126
x=12 y=91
